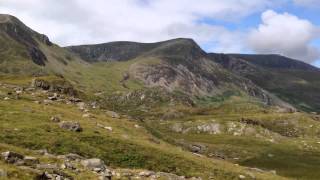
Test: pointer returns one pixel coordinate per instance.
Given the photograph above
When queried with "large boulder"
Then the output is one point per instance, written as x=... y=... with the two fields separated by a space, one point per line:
x=70 y=126
x=94 y=164
x=12 y=157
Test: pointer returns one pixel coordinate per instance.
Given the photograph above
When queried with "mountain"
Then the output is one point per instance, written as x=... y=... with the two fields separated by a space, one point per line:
x=165 y=110
x=26 y=52
x=292 y=80
x=175 y=65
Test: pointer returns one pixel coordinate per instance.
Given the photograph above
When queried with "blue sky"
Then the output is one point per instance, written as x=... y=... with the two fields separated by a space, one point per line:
x=286 y=27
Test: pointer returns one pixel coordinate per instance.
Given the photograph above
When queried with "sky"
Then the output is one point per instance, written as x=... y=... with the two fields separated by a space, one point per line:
x=286 y=27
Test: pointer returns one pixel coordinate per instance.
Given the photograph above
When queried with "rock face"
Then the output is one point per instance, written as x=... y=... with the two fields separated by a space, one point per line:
x=57 y=85
x=70 y=126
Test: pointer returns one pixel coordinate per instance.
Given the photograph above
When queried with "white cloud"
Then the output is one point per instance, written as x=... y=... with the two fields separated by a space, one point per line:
x=95 y=21
x=285 y=34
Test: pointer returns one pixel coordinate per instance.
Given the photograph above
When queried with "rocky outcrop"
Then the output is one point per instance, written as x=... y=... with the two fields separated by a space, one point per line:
x=70 y=126
x=57 y=85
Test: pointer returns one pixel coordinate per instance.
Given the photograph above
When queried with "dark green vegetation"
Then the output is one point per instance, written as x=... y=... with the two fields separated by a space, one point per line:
x=235 y=113
x=293 y=81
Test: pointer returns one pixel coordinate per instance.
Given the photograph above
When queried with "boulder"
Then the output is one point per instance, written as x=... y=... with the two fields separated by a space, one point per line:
x=71 y=157
x=197 y=148
x=81 y=105
x=113 y=114
x=12 y=157
x=94 y=164
x=55 y=119
x=106 y=175
x=30 y=161
x=87 y=115
x=75 y=100
x=70 y=126
x=146 y=173
x=47 y=166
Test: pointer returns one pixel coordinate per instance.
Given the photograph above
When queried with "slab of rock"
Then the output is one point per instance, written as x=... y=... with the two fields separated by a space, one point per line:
x=71 y=157
x=47 y=166
x=94 y=164
x=146 y=173
x=12 y=157
x=70 y=126
x=30 y=161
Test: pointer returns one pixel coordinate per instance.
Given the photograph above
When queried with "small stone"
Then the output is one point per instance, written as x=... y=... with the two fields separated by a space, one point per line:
x=113 y=114
x=55 y=119
x=242 y=176
x=6 y=99
x=81 y=105
x=137 y=126
x=108 y=128
x=87 y=115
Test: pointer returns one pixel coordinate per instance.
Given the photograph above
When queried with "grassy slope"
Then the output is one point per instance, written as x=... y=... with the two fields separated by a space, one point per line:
x=296 y=156
x=23 y=121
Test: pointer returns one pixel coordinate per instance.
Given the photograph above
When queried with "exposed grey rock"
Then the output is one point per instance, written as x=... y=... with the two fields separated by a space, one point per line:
x=55 y=119
x=146 y=173
x=94 y=164
x=81 y=105
x=12 y=157
x=47 y=166
x=170 y=176
x=73 y=157
x=106 y=175
x=212 y=128
x=113 y=114
x=30 y=161
x=71 y=126
x=197 y=148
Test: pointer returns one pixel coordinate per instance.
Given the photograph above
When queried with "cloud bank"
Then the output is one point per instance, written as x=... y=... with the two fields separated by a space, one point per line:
x=285 y=34
x=78 y=21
